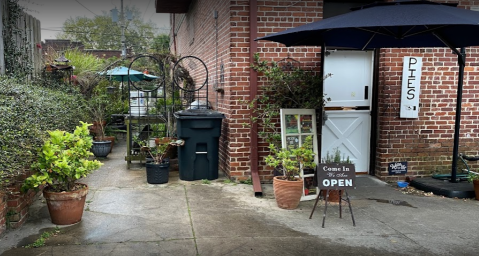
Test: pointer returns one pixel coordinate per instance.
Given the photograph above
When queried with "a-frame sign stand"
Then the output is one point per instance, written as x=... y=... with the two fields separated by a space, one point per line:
x=340 y=206
x=334 y=176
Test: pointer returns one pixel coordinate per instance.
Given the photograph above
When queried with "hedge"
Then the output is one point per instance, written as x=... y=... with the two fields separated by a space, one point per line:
x=27 y=112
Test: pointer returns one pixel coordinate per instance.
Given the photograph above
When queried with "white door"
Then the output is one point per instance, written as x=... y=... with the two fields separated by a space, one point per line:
x=348 y=124
x=349 y=131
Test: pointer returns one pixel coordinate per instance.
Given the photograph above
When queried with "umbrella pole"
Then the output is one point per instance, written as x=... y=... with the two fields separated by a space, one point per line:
x=461 y=59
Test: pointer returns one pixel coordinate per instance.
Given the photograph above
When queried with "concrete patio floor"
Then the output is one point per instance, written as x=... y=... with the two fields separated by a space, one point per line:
x=125 y=215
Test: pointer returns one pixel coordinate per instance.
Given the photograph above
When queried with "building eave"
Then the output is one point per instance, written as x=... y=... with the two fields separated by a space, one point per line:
x=169 y=6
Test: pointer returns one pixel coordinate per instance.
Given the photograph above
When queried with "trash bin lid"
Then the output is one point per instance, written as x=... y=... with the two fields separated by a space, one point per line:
x=198 y=114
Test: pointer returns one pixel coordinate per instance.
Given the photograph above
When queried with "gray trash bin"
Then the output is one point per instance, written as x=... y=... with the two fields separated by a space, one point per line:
x=198 y=157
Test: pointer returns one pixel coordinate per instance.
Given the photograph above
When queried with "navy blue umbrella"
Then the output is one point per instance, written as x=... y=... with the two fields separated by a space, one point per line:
x=389 y=25
x=395 y=25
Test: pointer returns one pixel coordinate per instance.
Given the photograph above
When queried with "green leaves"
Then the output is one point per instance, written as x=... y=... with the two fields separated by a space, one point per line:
x=101 y=32
x=290 y=160
x=28 y=112
x=63 y=160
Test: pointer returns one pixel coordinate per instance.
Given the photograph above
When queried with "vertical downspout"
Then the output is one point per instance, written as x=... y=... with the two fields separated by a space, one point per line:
x=174 y=32
x=320 y=121
x=253 y=79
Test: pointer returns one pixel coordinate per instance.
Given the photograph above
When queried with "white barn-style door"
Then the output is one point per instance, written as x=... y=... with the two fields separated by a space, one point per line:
x=348 y=124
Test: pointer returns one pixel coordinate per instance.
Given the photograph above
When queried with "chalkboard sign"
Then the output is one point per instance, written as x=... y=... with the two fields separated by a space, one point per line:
x=336 y=176
x=397 y=168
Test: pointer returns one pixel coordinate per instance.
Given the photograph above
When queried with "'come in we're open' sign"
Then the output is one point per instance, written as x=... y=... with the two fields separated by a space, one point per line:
x=335 y=176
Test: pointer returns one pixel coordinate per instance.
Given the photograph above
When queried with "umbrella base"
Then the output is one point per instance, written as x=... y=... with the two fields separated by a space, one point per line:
x=444 y=187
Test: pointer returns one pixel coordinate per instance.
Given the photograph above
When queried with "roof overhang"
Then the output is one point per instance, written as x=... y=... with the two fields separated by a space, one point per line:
x=172 y=6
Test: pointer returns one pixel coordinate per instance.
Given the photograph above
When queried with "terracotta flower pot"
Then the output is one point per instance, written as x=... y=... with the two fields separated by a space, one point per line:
x=287 y=193
x=66 y=207
x=163 y=140
x=333 y=195
x=476 y=188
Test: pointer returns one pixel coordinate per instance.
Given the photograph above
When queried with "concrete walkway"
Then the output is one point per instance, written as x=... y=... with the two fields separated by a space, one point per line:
x=125 y=215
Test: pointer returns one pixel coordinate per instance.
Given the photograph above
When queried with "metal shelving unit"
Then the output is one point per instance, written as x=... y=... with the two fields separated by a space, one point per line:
x=148 y=116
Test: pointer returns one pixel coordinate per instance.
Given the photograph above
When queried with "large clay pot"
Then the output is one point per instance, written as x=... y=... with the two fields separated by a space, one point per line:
x=476 y=188
x=66 y=207
x=287 y=193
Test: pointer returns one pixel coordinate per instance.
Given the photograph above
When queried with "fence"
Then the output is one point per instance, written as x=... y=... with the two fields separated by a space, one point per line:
x=25 y=37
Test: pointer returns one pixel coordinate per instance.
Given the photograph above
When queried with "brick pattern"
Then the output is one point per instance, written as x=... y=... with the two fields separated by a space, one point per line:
x=231 y=49
x=425 y=142
x=14 y=204
x=3 y=213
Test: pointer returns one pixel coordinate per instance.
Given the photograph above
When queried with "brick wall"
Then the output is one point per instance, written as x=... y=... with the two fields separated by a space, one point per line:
x=425 y=142
x=3 y=213
x=196 y=35
x=200 y=35
x=14 y=204
x=275 y=17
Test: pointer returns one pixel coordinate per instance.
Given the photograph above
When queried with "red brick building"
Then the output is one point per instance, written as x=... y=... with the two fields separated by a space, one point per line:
x=221 y=33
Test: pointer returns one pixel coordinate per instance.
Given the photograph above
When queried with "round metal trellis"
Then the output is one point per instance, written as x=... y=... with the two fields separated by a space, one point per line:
x=190 y=76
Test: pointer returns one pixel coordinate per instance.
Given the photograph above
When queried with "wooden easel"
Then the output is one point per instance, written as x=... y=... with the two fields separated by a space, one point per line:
x=326 y=205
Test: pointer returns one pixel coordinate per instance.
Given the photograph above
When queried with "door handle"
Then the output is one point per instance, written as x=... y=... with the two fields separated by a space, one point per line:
x=366 y=92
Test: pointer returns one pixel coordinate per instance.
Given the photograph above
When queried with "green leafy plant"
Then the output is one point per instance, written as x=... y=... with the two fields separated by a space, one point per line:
x=97 y=106
x=31 y=110
x=247 y=181
x=160 y=151
x=63 y=159
x=336 y=157
x=43 y=238
x=83 y=61
x=296 y=88
x=291 y=159
x=205 y=181
x=472 y=176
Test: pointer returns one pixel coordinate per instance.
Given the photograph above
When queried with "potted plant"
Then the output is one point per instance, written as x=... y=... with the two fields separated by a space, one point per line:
x=157 y=170
x=288 y=188
x=62 y=160
x=474 y=179
x=97 y=105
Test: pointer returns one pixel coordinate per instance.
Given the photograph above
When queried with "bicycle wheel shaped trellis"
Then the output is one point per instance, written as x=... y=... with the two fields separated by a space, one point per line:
x=190 y=76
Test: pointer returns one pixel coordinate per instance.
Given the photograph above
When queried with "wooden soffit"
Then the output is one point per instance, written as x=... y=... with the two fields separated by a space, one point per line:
x=172 y=6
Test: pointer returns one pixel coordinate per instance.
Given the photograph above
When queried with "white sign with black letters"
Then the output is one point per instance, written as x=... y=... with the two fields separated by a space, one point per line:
x=411 y=81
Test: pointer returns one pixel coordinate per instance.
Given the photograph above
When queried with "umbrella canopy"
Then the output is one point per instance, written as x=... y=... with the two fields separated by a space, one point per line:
x=395 y=25
x=389 y=25
x=121 y=74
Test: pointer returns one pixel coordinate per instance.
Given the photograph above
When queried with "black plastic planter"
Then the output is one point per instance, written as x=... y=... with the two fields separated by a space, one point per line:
x=157 y=173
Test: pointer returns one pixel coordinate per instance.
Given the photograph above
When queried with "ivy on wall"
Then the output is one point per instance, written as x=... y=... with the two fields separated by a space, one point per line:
x=17 y=48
